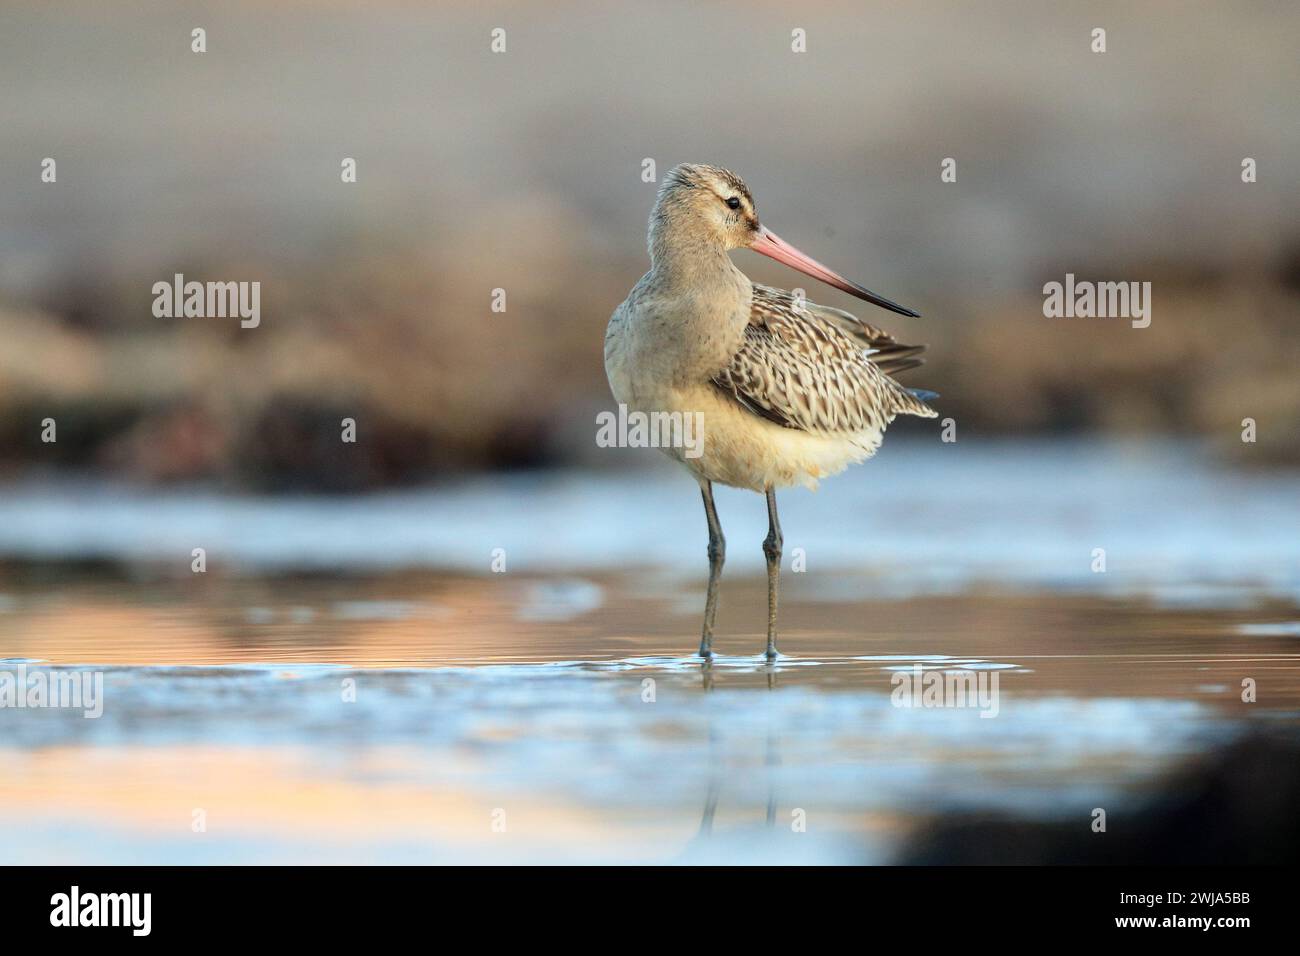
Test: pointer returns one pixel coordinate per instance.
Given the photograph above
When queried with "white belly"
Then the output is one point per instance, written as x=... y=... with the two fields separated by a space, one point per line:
x=735 y=446
x=743 y=450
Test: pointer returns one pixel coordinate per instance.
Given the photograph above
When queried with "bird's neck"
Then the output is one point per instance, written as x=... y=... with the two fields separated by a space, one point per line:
x=702 y=307
x=691 y=266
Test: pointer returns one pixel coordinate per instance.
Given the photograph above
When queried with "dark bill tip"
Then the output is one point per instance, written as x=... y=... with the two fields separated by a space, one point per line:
x=881 y=301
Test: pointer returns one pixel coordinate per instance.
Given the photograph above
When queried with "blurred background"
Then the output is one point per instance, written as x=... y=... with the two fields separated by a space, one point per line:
x=522 y=171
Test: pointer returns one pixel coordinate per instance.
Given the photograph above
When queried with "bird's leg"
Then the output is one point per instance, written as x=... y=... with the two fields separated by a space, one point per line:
x=717 y=555
x=772 y=549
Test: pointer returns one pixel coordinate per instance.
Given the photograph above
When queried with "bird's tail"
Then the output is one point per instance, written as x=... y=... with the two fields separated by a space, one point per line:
x=910 y=401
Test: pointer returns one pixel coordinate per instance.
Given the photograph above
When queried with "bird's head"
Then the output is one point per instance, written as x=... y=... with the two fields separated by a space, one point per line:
x=701 y=205
x=702 y=210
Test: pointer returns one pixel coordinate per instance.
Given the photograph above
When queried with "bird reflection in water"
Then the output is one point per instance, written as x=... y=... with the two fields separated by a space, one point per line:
x=771 y=757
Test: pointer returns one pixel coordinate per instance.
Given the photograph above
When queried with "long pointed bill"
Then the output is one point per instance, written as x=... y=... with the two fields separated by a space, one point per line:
x=774 y=247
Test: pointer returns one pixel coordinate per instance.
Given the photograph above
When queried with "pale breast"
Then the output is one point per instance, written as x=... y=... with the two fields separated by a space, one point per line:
x=669 y=335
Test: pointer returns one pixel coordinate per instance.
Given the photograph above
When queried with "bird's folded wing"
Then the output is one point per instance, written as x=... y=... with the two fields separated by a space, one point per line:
x=819 y=369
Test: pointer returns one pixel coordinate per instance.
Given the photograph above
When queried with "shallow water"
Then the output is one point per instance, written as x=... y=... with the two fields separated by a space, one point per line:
x=475 y=697
x=349 y=682
x=920 y=518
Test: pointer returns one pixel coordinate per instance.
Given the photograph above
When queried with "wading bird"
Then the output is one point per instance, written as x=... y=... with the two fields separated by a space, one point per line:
x=788 y=392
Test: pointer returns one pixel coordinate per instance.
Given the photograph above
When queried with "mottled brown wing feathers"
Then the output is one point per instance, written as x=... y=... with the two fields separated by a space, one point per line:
x=887 y=353
x=819 y=369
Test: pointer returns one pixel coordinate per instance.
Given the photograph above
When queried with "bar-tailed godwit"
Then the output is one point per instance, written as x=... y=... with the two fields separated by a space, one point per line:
x=787 y=391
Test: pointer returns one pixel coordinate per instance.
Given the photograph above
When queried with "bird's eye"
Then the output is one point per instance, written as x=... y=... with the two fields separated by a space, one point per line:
x=733 y=203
